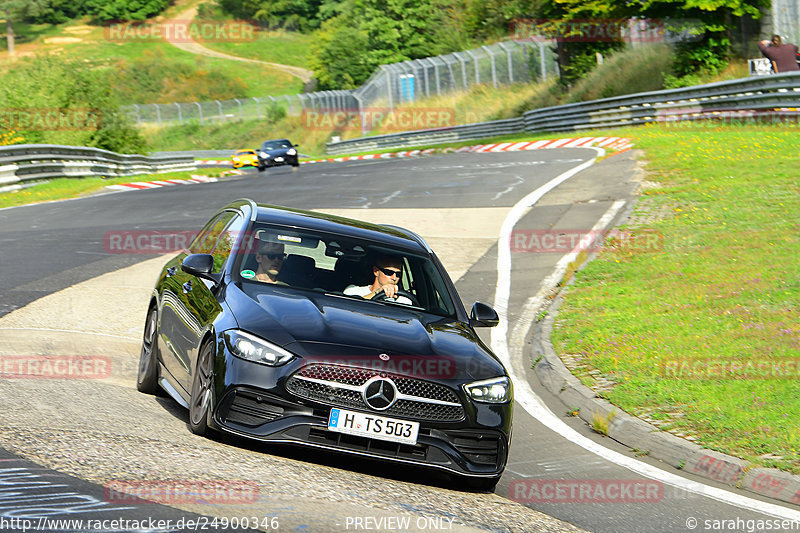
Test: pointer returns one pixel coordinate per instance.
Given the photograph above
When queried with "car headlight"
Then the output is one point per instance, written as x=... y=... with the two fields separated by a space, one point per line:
x=264 y=155
x=291 y=151
x=495 y=390
x=251 y=348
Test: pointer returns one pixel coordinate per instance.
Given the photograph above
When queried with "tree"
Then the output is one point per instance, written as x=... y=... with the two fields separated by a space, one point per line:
x=16 y=10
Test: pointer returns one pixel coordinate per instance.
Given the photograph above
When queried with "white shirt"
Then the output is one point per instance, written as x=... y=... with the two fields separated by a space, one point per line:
x=355 y=290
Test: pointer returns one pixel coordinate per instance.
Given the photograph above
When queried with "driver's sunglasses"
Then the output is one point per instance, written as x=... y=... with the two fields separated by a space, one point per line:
x=391 y=272
x=273 y=257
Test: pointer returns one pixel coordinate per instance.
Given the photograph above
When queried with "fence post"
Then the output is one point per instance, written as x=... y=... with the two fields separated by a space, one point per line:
x=542 y=60
x=494 y=67
x=158 y=114
x=138 y=115
x=477 y=73
x=463 y=69
x=200 y=108
x=258 y=108
x=180 y=113
x=219 y=106
x=510 y=65
x=240 y=108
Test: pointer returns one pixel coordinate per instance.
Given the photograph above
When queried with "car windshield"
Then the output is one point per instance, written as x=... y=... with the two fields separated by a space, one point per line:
x=342 y=267
x=276 y=145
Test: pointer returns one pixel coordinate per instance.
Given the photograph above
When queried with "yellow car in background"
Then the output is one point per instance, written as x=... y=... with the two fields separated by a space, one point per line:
x=244 y=158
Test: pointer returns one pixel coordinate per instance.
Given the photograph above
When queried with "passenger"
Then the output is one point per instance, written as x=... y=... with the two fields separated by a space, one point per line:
x=269 y=256
x=387 y=271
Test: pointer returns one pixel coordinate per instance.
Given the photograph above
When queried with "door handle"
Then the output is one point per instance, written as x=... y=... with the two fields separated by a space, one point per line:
x=187 y=287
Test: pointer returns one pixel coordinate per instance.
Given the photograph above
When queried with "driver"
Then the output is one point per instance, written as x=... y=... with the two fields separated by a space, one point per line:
x=387 y=271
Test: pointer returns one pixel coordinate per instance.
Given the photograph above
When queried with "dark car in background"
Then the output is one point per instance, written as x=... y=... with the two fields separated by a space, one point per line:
x=277 y=153
x=299 y=361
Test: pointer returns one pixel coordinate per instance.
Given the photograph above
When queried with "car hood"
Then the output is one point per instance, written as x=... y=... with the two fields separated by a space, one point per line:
x=321 y=327
x=276 y=151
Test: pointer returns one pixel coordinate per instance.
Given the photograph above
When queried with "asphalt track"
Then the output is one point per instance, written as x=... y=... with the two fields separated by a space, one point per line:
x=459 y=203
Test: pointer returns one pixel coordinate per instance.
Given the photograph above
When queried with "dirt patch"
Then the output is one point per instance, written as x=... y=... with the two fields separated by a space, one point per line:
x=80 y=30
x=62 y=40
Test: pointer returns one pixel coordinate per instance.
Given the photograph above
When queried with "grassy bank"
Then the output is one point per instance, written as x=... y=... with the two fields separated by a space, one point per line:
x=64 y=188
x=700 y=333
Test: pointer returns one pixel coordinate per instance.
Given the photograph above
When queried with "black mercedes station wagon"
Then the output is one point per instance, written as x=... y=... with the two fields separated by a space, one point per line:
x=298 y=327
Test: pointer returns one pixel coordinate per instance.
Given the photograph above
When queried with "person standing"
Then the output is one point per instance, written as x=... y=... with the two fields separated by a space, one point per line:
x=783 y=56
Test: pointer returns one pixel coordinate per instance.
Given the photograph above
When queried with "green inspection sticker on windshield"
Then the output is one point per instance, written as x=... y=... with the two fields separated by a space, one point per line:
x=249 y=274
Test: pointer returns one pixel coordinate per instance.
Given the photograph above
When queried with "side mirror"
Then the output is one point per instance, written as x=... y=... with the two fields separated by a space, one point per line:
x=200 y=265
x=483 y=315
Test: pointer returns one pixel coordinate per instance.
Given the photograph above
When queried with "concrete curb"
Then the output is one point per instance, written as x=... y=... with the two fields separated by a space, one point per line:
x=646 y=438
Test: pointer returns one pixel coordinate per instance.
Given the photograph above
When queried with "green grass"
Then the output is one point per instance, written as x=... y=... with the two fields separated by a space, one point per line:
x=724 y=287
x=287 y=48
x=63 y=188
x=97 y=50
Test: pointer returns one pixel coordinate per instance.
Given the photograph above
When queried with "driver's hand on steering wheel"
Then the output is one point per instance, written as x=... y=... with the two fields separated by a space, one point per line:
x=389 y=289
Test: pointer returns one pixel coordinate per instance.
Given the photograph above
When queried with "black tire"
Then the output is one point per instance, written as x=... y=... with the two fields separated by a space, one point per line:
x=147 y=376
x=202 y=383
x=261 y=168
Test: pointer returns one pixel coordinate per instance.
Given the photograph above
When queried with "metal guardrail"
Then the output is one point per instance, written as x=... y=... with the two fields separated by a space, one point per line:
x=30 y=162
x=406 y=139
x=727 y=98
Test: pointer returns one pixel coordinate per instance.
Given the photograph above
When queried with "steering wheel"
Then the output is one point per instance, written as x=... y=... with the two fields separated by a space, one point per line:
x=381 y=296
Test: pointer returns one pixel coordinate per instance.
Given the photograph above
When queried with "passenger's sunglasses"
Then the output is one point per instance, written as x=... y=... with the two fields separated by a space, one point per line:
x=390 y=272
x=273 y=257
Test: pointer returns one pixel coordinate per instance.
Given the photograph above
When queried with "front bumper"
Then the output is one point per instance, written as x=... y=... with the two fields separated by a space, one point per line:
x=456 y=448
x=278 y=161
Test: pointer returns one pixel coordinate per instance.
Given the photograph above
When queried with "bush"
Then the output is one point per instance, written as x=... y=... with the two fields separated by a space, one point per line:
x=632 y=70
x=50 y=86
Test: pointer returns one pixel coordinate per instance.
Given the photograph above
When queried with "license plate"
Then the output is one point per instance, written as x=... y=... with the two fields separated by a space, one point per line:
x=279 y=159
x=375 y=427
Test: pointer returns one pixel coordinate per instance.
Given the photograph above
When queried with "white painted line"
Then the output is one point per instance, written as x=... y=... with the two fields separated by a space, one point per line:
x=538 y=410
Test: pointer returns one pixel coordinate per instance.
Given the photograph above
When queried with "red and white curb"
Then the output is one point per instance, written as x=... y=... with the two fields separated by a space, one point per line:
x=139 y=185
x=214 y=162
x=616 y=144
